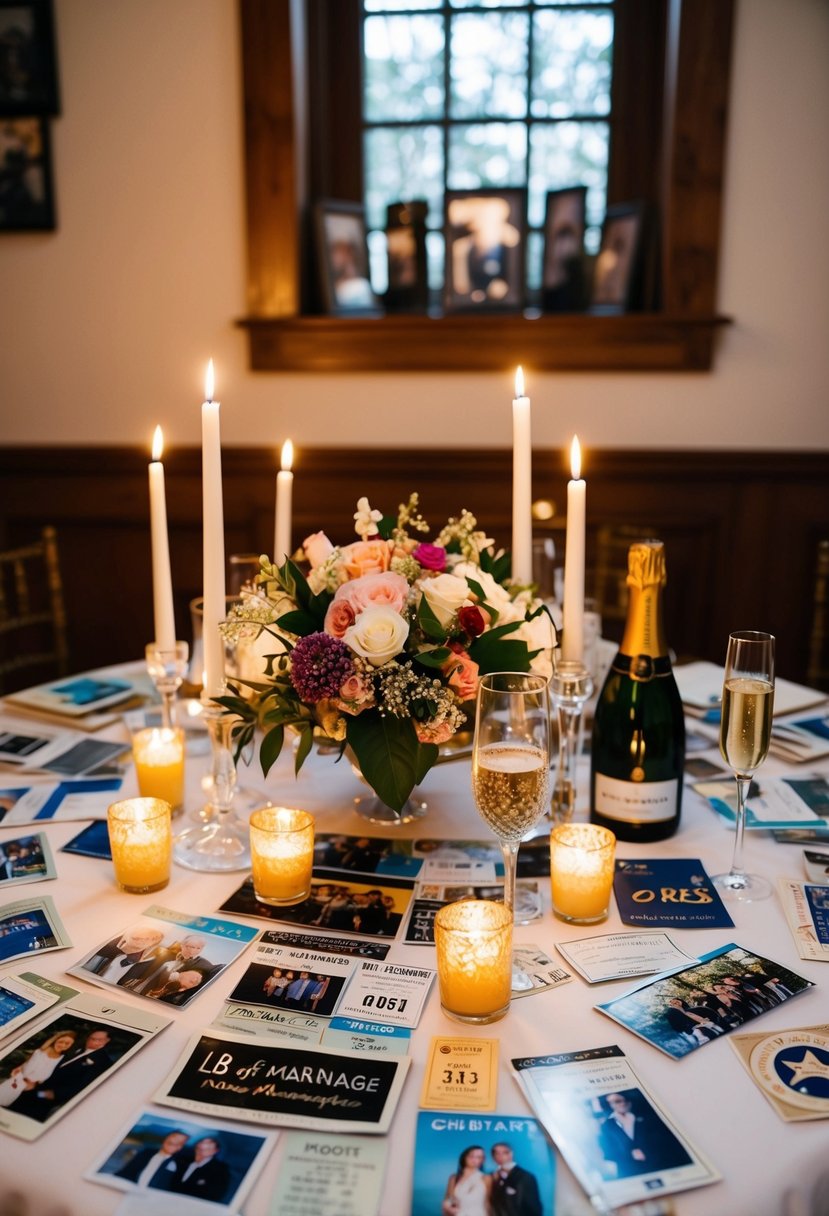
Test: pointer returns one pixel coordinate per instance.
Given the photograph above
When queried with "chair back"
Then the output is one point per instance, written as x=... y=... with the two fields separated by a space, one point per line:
x=33 y=645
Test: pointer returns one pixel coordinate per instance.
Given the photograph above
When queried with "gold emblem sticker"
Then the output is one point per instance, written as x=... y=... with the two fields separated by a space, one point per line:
x=793 y=1066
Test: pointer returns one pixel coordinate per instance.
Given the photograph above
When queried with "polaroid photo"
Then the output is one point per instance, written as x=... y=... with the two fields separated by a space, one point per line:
x=24 y=996
x=302 y=981
x=30 y=925
x=621 y=1146
x=26 y=859
x=165 y=956
x=682 y=1010
x=205 y=1160
x=790 y=1068
x=47 y=1072
x=47 y=802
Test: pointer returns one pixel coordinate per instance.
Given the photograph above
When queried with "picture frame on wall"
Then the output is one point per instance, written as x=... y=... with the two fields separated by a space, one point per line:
x=26 y=193
x=28 y=62
x=562 y=275
x=342 y=256
x=617 y=273
x=485 y=248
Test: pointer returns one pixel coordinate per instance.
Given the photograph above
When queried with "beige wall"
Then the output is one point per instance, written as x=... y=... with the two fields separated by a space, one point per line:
x=105 y=326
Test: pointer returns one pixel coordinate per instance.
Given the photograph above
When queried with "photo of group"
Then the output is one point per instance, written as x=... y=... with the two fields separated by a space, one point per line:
x=311 y=991
x=165 y=960
x=188 y=1156
x=371 y=910
x=686 y=1009
x=25 y=859
x=364 y=855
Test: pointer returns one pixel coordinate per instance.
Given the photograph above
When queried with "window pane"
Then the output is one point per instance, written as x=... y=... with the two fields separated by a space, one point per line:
x=403 y=68
x=395 y=6
x=535 y=251
x=403 y=164
x=571 y=63
x=487 y=154
x=568 y=154
x=487 y=3
x=488 y=65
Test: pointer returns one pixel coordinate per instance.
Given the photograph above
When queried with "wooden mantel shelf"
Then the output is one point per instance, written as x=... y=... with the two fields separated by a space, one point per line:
x=634 y=342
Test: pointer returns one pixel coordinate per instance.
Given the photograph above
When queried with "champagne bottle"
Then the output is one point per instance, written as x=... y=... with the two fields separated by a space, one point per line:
x=638 y=747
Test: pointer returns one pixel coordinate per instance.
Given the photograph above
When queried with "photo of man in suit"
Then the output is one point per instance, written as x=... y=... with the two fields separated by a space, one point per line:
x=78 y=1069
x=634 y=1140
x=188 y=957
x=128 y=959
x=514 y=1189
x=205 y=1175
x=159 y=1168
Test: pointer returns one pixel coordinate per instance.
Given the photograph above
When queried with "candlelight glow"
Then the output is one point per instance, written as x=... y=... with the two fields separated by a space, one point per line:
x=519 y=381
x=209 y=382
x=575 y=459
x=158 y=443
x=287 y=456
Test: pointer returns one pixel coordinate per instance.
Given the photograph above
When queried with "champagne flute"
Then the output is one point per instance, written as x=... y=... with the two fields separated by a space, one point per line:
x=745 y=732
x=511 y=761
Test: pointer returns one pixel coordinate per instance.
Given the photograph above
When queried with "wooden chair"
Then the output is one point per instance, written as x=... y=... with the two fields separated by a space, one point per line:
x=817 y=671
x=33 y=643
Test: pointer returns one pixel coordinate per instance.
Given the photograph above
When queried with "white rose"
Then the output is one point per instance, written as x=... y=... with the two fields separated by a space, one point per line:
x=446 y=594
x=317 y=548
x=539 y=635
x=496 y=596
x=378 y=634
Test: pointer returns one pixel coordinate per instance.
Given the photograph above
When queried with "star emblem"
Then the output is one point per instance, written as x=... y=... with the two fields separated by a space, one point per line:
x=809 y=1066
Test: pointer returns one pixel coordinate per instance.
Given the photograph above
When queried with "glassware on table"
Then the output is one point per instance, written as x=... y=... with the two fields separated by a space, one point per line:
x=473 y=942
x=571 y=686
x=139 y=839
x=581 y=872
x=282 y=854
x=511 y=761
x=167 y=668
x=158 y=755
x=745 y=733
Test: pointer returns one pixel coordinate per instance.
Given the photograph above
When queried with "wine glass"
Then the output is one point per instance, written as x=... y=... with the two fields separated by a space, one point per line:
x=511 y=761
x=745 y=732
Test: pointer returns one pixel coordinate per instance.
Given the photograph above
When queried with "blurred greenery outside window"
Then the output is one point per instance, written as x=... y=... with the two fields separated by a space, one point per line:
x=469 y=94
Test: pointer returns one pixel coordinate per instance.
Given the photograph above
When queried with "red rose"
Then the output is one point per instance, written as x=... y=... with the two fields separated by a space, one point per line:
x=471 y=621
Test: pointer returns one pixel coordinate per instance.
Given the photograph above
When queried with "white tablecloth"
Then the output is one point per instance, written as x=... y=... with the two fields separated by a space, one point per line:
x=708 y=1093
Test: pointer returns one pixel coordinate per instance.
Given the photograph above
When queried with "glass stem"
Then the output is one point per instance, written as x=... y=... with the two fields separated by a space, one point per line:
x=167 y=698
x=743 y=784
x=564 y=791
x=509 y=849
x=223 y=769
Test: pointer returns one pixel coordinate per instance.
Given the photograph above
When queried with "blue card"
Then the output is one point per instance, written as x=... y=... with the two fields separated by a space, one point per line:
x=668 y=894
x=818 y=898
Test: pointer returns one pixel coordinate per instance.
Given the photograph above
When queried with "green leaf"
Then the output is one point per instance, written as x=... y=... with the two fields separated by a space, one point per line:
x=389 y=755
x=386 y=526
x=499 y=567
x=271 y=747
x=499 y=654
x=435 y=657
x=299 y=622
x=306 y=738
x=428 y=622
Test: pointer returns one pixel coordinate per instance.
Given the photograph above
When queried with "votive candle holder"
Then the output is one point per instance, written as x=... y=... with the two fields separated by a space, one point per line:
x=581 y=871
x=158 y=754
x=140 y=839
x=473 y=938
x=282 y=854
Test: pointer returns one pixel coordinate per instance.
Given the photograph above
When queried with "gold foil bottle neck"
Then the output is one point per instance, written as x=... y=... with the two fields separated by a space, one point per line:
x=646 y=564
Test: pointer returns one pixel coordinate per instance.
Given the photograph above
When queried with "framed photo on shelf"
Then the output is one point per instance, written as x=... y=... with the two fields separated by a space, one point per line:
x=28 y=65
x=342 y=255
x=618 y=269
x=26 y=198
x=562 y=276
x=406 y=249
x=485 y=239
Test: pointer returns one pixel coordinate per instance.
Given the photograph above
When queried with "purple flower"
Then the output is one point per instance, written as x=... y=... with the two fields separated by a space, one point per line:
x=430 y=557
x=320 y=665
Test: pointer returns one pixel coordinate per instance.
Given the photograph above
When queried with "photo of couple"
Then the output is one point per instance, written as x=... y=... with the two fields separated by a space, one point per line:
x=310 y=991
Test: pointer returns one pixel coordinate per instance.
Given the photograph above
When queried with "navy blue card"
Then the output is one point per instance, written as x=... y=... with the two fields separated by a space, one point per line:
x=671 y=893
x=91 y=841
x=818 y=897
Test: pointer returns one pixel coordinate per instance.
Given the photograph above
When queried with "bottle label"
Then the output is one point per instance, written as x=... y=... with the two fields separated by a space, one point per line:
x=636 y=802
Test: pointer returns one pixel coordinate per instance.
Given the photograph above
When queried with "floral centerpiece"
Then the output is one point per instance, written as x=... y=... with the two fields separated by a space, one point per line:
x=382 y=642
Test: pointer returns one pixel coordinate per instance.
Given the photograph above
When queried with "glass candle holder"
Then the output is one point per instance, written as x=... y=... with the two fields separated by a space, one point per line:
x=474 y=955
x=281 y=854
x=159 y=764
x=581 y=871
x=140 y=840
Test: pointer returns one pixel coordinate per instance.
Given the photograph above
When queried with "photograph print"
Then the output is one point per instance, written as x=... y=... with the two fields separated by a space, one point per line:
x=28 y=73
x=30 y=926
x=617 y=272
x=26 y=196
x=313 y=991
x=485 y=235
x=25 y=859
x=686 y=1009
x=342 y=253
x=562 y=276
x=337 y=906
x=631 y=1137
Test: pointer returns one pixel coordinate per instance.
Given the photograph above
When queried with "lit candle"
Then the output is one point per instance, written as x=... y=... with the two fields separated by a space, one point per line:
x=573 y=612
x=284 y=490
x=165 y=624
x=473 y=938
x=213 y=541
x=159 y=764
x=581 y=871
x=522 y=528
x=282 y=854
x=140 y=840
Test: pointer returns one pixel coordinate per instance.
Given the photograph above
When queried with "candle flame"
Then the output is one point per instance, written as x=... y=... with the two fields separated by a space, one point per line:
x=158 y=443
x=209 y=382
x=575 y=459
x=287 y=456
x=519 y=381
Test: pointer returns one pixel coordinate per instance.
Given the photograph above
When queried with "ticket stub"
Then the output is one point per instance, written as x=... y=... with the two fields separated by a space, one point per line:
x=461 y=1074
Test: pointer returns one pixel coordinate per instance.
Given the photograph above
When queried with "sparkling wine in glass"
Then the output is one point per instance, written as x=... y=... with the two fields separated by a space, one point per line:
x=511 y=761
x=745 y=733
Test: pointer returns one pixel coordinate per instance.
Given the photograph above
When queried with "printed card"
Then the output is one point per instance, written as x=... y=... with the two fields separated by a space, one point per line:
x=461 y=1074
x=29 y=925
x=294 y=980
x=376 y=1038
x=286 y=1025
x=323 y=943
x=617 y=1140
x=429 y=898
x=66 y=800
x=668 y=894
x=691 y=1006
x=91 y=841
x=165 y=956
x=616 y=956
x=24 y=996
x=26 y=859
x=75 y=696
x=344 y=1174
x=534 y=971
x=48 y=1071
x=205 y=1160
x=800 y=916
x=386 y=992
x=773 y=802
x=308 y=1087
x=791 y=1069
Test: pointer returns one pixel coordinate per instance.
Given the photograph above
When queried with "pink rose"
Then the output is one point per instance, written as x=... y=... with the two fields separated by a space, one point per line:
x=429 y=733
x=430 y=557
x=356 y=694
x=387 y=589
x=317 y=548
x=339 y=617
x=462 y=673
x=366 y=557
